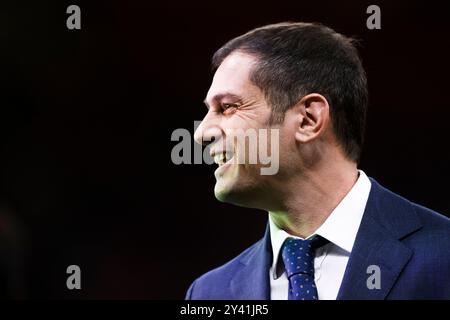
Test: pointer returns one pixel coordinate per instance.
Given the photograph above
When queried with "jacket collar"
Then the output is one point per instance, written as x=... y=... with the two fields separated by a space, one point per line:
x=387 y=219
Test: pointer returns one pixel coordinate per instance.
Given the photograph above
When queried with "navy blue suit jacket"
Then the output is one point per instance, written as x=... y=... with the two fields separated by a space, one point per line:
x=410 y=244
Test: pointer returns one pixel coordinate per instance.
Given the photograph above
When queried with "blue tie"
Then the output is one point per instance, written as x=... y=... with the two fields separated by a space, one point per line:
x=298 y=257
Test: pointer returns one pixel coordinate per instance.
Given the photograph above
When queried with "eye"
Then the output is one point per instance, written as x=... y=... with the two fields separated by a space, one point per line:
x=229 y=107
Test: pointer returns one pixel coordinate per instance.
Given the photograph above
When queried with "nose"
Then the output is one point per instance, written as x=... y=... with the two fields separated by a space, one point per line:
x=208 y=131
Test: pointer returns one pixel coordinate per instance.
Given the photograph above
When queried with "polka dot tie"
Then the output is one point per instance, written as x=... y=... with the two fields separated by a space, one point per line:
x=298 y=257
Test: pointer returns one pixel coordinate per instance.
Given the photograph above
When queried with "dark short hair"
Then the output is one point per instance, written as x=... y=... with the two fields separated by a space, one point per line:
x=295 y=59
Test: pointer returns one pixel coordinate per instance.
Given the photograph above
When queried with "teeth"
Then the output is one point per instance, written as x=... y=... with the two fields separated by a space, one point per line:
x=222 y=158
x=219 y=159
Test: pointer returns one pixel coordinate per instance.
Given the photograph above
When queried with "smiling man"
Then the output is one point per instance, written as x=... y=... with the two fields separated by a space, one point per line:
x=333 y=232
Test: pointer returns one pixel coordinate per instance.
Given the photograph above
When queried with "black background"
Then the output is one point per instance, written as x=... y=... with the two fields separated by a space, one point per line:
x=86 y=119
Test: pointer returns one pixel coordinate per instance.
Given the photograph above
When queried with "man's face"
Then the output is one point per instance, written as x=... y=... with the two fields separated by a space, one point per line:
x=235 y=106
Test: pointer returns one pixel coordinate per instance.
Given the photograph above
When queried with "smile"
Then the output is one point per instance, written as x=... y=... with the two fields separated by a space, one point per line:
x=222 y=158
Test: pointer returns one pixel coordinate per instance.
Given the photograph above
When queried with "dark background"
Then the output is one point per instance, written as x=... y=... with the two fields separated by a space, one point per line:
x=86 y=119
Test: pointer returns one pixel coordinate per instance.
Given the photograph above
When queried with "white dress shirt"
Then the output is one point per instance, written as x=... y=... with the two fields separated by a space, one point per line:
x=340 y=229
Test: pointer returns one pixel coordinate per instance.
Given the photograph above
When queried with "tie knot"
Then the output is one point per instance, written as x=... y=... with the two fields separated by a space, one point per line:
x=298 y=255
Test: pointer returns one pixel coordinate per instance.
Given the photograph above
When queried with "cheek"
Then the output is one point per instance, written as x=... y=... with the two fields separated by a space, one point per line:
x=288 y=148
x=239 y=122
x=288 y=145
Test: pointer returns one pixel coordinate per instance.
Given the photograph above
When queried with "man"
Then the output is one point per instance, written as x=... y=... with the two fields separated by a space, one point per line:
x=333 y=233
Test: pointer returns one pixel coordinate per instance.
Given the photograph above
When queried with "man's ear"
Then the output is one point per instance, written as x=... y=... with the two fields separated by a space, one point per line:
x=314 y=117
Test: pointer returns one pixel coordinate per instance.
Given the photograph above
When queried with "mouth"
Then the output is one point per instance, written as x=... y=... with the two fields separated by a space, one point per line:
x=223 y=158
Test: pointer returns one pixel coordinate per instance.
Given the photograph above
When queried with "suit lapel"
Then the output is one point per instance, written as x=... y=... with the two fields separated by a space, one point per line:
x=387 y=219
x=373 y=248
x=251 y=282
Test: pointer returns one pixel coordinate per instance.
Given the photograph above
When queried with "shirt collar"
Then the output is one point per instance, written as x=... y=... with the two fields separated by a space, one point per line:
x=341 y=226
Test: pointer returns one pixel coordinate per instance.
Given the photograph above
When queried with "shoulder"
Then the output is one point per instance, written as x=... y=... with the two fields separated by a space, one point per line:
x=432 y=219
x=422 y=232
x=215 y=283
x=394 y=203
x=430 y=246
x=434 y=231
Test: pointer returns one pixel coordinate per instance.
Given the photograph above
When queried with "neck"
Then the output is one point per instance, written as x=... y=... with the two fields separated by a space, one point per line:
x=312 y=196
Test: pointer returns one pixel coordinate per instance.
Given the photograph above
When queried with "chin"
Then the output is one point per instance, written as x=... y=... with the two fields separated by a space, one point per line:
x=224 y=191
x=236 y=193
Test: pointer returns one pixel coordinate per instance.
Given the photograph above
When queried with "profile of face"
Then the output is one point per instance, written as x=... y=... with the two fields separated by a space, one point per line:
x=235 y=104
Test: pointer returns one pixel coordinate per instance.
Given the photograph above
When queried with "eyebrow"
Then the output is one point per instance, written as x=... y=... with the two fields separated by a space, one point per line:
x=220 y=96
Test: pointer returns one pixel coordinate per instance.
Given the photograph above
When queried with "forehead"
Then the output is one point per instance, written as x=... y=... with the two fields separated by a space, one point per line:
x=232 y=76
